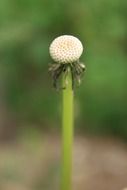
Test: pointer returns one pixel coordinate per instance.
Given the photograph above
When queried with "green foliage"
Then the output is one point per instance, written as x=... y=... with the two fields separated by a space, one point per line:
x=28 y=27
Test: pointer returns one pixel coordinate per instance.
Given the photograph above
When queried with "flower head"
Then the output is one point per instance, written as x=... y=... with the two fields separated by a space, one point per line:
x=66 y=49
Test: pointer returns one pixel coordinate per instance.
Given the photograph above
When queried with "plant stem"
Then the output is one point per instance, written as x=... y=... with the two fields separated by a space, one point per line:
x=67 y=133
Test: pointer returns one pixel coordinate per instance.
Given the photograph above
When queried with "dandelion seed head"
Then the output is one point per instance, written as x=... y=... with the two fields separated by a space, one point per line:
x=66 y=49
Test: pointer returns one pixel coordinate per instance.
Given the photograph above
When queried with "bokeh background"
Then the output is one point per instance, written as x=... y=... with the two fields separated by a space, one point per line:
x=30 y=109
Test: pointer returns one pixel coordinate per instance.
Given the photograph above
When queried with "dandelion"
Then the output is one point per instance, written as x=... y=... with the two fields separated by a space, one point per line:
x=66 y=51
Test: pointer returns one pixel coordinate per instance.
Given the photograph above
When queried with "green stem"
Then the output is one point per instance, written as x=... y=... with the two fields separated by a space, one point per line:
x=67 y=124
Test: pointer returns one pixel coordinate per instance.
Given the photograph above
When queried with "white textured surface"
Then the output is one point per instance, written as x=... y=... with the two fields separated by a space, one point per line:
x=66 y=49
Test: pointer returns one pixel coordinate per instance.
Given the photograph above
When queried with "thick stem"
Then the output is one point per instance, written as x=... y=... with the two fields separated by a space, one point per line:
x=67 y=133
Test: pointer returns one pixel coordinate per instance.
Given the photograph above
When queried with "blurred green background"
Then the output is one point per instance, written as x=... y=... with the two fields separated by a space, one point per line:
x=27 y=28
x=30 y=109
